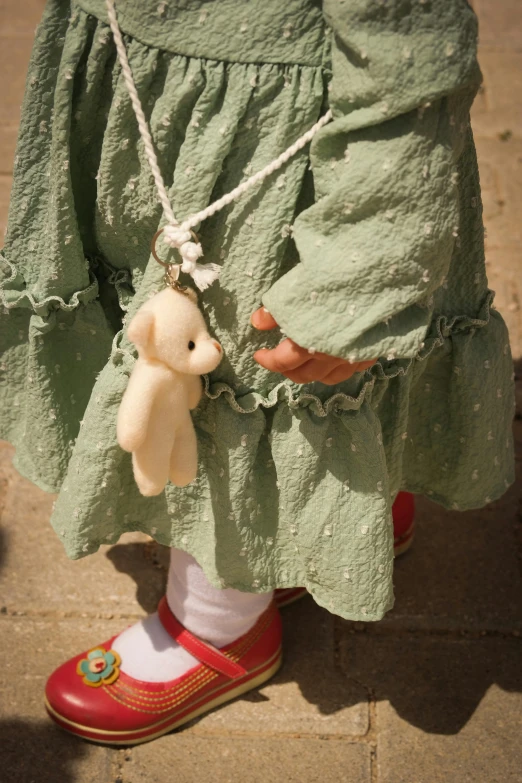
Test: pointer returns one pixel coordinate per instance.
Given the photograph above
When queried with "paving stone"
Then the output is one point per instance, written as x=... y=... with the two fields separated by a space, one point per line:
x=20 y=18
x=487 y=750
x=493 y=200
x=17 y=25
x=34 y=750
x=5 y=190
x=448 y=709
x=480 y=104
x=308 y=696
x=186 y=759
x=497 y=110
x=499 y=23
x=8 y=136
x=463 y=569
x=502 y=160
x=127 y=578
x=14 y=58
x=504 y=270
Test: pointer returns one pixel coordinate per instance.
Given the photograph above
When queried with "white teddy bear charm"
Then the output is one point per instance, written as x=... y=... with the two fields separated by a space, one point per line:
x=154 y=421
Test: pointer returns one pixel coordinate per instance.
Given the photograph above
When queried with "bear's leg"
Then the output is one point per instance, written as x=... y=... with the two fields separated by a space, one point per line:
x=151 y=466
x=184 y=457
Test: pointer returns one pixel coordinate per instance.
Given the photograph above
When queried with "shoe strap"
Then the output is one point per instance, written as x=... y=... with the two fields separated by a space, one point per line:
x=204 y=652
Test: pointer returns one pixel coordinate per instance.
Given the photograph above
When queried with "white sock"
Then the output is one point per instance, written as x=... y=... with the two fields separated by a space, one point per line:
x=147 y=651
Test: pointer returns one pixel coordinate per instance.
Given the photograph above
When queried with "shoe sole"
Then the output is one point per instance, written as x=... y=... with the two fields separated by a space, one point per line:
x=101 y=737
x=404 y=542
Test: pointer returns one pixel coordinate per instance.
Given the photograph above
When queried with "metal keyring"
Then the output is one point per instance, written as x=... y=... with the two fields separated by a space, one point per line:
x=166 y=264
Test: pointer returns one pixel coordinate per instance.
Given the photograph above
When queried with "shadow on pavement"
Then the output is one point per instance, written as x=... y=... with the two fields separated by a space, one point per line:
x=433 y=682
x=147 y=564
x=34 y=752
x=454 y=632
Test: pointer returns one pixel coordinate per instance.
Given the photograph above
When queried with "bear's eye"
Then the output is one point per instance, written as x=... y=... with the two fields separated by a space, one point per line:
x=191 y=346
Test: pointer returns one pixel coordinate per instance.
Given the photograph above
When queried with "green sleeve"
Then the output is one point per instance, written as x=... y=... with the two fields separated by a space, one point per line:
x=379 y=238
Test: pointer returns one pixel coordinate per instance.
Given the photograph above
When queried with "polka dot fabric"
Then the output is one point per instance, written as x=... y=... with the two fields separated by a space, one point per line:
x=369 y=244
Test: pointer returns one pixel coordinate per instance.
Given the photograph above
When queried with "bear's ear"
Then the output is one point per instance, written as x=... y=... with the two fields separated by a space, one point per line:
x=140 y=328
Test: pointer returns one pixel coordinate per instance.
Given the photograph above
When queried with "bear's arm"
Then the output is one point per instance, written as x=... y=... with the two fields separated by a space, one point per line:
x=194 y=389
x=143 y=388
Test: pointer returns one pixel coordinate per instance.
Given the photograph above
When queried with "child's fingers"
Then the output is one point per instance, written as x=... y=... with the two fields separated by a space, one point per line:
x=287 y=356
x=345 y=371
x=315 y=371
x=295 y=363
x=262 y=319
x=340 y=374
x=312 y=370
x=295 y=376
x=300 y=366
x=320 y=370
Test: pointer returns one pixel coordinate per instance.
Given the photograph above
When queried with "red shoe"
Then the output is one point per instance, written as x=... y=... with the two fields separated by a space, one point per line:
x=91 y=697
x=403 y=522
x=284 y=596
x=403 y=511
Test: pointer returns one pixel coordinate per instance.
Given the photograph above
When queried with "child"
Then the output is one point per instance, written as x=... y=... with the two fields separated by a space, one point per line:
x=367 y=245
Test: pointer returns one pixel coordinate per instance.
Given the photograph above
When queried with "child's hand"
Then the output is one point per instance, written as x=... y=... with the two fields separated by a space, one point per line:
x=298 y=363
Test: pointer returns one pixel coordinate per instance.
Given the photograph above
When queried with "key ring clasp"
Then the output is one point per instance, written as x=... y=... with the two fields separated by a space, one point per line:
x=154 y=252
x=172 y=271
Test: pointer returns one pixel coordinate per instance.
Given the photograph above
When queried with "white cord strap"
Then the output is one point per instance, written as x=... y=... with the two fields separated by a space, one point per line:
x=255 y=179
x=179 y=235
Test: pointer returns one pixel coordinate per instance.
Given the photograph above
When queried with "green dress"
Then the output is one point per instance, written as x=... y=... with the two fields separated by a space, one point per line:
x=368 y=244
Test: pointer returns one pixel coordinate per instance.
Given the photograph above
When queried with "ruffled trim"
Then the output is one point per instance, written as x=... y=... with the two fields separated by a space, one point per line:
x=11 y=298
x=120 y=279
x=441 y=329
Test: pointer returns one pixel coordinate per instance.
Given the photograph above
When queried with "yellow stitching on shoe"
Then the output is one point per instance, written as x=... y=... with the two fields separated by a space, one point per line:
x=235 y=653
x=165 y=694
x=160 y=712
x=185 y=693
x=128 y=702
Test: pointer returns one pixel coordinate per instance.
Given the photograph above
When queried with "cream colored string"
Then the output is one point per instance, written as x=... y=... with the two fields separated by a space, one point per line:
x=176 y=234
x=259 y=176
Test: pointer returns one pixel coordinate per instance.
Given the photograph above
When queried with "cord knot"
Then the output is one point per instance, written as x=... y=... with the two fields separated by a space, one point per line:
x=190 y=252
x=175 y=236
x=182 y=240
